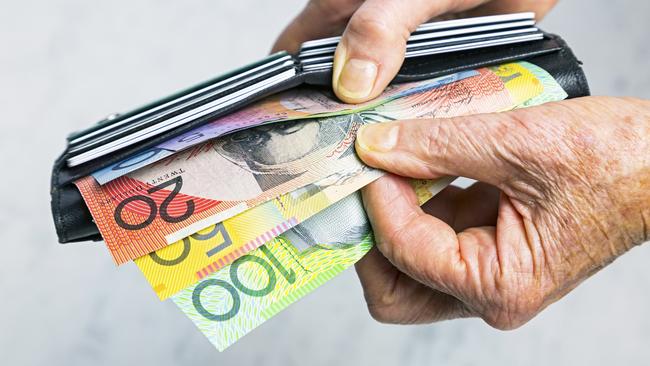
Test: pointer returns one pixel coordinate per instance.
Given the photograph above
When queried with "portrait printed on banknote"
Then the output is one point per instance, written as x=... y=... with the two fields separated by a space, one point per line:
x=347 y=215
x=279 y=152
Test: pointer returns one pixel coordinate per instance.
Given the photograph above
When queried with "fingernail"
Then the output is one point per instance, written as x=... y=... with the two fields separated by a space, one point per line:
x=378 y=138
x=356 y=78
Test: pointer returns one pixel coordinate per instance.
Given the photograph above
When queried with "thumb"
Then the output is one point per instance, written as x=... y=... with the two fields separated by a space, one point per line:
x=483 y=147
x=372 y=47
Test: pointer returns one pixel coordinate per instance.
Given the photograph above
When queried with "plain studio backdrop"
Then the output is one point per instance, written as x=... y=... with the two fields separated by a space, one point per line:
x=67 y=63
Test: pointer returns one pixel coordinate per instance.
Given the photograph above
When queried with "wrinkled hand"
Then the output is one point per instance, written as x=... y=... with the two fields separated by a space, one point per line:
x=566 y=190
x=374 y=42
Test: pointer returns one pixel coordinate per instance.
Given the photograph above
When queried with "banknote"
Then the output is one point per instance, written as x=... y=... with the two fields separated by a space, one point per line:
x=167 y=201
x=297 y=103
x=185 y=262
x=463 y=98
x=166 y=278
x=229 y=303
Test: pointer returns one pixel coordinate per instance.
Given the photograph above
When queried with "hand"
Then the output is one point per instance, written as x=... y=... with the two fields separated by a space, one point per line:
x=374 y=42
x=566 y=190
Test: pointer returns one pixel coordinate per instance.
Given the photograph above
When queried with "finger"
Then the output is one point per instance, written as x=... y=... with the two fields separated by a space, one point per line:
x=428 y=250
x=418 y=244
x=483 y=147
x=469 y=266
x=393 y=297
x=460 y=208
x=372 y=48
x=319 y=19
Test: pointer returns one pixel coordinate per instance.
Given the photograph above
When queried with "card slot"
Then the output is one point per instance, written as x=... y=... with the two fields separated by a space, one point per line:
x=504 y=21
x=180 y=114
x=326 y=62
x=481 y=44
x=427 y=67
x=306 y=56
x=433 y=35
x=179 y=120
x=474 y=38
x=470 y=22
x=183 y=100
x=471 y=30
x=180 y=108
x=117 y=118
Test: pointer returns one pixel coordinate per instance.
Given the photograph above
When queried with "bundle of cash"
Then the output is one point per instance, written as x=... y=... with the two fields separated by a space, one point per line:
x=240 y=217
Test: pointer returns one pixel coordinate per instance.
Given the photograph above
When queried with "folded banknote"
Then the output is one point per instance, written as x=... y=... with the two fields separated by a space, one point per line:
x=169 y=200
x=177 y=266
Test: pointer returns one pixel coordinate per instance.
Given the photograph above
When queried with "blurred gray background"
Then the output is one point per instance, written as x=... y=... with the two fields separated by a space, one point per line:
x=67 y=63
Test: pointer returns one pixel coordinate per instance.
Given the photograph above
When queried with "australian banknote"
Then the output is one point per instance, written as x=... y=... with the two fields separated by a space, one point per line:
x=188 y=261
x=176 y=197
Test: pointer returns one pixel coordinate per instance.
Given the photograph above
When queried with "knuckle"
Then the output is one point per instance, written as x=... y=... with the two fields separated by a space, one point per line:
x=517 y=129
x=434 y=141
x=372 y=26
x=516 y=310
x=437 y=138
x=529 y=149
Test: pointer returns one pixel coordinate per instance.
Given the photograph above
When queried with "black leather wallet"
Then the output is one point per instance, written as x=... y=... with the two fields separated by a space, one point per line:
x=73 y=220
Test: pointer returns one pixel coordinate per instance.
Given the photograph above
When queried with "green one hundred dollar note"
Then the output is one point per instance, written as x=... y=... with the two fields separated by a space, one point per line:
x=230 y=303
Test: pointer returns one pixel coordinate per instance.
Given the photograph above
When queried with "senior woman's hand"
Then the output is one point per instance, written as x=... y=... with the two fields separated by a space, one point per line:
x=564 y=187
x=374 y=42
x=566 y=190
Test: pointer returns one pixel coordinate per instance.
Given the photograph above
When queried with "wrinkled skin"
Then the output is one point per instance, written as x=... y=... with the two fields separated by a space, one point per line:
x=564 y=188
x=566 y=191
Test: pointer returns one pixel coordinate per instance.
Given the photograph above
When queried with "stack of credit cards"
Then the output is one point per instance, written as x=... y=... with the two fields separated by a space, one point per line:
x=440 y=37
x=118 y=132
